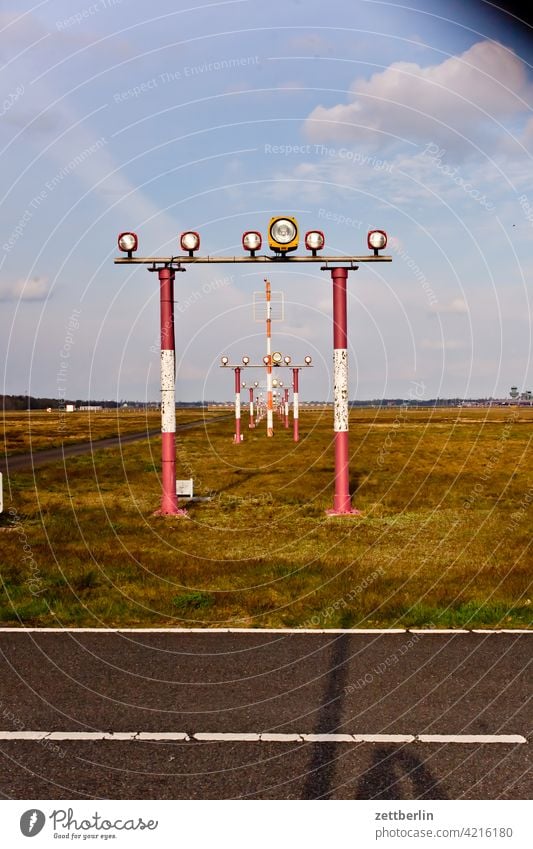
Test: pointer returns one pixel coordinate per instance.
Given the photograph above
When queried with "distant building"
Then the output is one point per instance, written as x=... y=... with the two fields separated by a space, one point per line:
x=89 y=408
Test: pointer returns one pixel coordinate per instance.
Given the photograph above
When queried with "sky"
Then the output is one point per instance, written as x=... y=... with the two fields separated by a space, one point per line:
x=413 y=117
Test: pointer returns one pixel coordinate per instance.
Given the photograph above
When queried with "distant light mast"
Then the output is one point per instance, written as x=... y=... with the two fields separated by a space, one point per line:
x=270 y=416
x=237 y=437
x=251 y=423
x=286 y=407
x=295 y=405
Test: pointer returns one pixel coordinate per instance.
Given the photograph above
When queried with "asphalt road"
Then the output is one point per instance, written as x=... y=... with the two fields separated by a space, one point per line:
x=30 y=460
x=211 y=682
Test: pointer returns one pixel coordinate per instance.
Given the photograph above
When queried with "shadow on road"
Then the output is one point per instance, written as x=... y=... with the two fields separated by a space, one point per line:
x=319 y=781
x=395 y=773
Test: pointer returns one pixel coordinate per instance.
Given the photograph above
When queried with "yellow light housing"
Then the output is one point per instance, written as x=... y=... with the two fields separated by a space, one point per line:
x=283 y=234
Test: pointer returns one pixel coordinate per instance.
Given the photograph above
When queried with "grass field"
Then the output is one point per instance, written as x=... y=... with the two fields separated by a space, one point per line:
x=445 y=538
x=23 y=432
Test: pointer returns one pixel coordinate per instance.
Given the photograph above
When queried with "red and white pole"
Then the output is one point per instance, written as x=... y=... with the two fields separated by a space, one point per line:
x=270 y=415
x=286 y=403
x=342 y=504
x=169 y=499
x=295 y=410
x=237 y=437
x=251 y=423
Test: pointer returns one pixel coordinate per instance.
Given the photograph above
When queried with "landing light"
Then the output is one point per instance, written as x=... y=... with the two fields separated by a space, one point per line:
x=314 y=241
x=190 y=241
x=128 y=242
x=283 y=234
x=252 y=241
x=377 y=240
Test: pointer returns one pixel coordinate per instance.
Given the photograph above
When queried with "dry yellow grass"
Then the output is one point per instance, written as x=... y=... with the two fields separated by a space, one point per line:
x=22 y=431
x=445 y=539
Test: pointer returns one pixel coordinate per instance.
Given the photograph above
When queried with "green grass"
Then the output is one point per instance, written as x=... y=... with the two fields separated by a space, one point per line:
x=193 y=601
x=444 y=540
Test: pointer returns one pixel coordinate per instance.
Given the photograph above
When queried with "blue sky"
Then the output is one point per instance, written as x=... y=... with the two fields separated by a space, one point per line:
x=349 y=115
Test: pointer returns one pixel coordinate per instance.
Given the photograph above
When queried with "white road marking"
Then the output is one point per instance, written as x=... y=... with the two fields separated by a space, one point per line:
x=260 y=737
x=208 y=630
x=471 y=738
x=328 y=738
x=281 y=738
x=439 y=631
x=23 y=735
x=161 y=735
x=92 y=735
x=384 y=738
x=226 y=737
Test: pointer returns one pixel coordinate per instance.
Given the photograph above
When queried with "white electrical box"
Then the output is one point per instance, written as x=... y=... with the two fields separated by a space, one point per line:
x=184 y=488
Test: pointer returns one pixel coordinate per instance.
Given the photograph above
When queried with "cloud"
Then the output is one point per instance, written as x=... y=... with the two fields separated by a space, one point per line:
x=457 y=306
x=464 y=95
x=527 y=138
x=291 y=85
x=33 y=289
x=444 y=344
x=310 y=43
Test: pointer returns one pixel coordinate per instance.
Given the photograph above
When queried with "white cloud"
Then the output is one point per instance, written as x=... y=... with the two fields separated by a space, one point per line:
x=33 y=289
x=463 y=95
x=457 y=306
x=40 y=108
x=310 y=43
x=291 y=85
x=444 y=344
x=527 y=138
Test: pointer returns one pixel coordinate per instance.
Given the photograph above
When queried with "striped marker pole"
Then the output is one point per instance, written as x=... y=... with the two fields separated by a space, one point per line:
x=295 y=410
x=270 y=415
x=286 y=404
x=169 y=499
x=342 y=504
x=237 y=437
x=251 y=422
